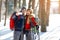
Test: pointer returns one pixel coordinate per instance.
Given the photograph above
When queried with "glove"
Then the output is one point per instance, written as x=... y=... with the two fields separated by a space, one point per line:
x=37 y=27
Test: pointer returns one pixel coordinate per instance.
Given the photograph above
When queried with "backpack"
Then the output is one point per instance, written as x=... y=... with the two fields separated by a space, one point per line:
x=19 y=23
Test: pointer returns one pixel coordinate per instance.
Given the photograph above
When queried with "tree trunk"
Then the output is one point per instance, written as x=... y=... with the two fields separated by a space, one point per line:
x=24 y=3
x=15 y=4
x=59 y=7
x=33 y=4
x=48 y=11
x=0 y=9
x=29 y=5
x=19 y=3
x=39 y=13
x=6 y=6
x=42 y=15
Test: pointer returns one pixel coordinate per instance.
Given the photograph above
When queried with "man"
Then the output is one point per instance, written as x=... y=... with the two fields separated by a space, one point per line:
x=17 y=24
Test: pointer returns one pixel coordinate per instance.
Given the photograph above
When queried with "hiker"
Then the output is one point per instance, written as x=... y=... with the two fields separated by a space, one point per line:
x=17 y=24
x=29 y=22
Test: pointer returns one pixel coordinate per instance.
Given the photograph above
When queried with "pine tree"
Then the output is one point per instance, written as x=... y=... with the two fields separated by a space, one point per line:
x=47 y=11
x=30 y=5
x=33 y=4
x=15 y=4
x=24 y=3
x=59 y=6
x=0 y=9
x=19 y=3
x=42 y=15
x=6 y=12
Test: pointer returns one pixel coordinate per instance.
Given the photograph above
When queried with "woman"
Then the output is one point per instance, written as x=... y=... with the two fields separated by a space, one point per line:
x=29 y=22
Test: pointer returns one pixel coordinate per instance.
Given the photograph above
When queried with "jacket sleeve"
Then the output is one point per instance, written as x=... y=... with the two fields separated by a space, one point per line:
x=33 y=21
x=11 y=23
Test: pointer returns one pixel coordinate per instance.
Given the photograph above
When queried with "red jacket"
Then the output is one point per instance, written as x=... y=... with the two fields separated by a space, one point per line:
x=28 y=26
x=11 y=23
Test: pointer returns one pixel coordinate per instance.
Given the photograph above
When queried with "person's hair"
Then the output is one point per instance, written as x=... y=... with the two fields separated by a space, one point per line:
x=22 y=9
x=29 y=10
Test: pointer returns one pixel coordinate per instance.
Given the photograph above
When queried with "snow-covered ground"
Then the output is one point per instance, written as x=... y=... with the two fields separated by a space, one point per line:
x=5 y=32
x=53 y=30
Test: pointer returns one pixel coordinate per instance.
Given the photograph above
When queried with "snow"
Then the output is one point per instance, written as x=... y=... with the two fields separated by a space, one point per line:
x=53 y=30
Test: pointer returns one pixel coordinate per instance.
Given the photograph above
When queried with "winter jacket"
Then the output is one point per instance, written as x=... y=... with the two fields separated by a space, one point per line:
x=17 y=22
x=12 y=21
x=28 y=25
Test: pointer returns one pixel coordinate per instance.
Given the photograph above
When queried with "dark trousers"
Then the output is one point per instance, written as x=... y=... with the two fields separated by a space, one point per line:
x=28 y=34
x=18 y=35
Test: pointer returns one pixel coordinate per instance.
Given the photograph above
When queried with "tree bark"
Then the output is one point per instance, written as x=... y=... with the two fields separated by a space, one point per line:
x=24 y=3
x=0 y=9
x=59 y=7
x=42 y=15
x=6 y=6
x=48 y=11
x=29 y=5
x=33 y=4
x=19 y=3
x=15 y=4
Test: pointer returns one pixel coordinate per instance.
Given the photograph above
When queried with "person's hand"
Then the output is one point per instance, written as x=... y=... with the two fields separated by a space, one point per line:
x=19 y=13
x=37 y=27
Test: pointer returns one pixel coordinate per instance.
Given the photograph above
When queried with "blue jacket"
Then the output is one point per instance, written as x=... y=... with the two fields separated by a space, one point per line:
x=19 y=22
